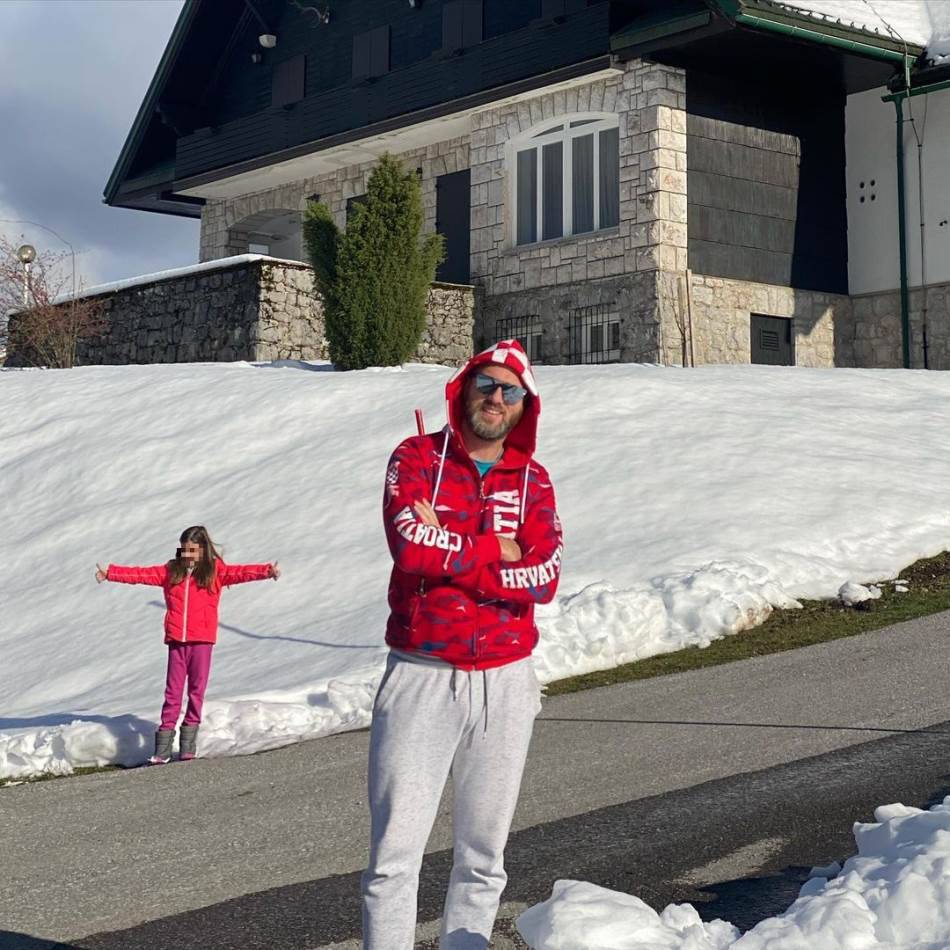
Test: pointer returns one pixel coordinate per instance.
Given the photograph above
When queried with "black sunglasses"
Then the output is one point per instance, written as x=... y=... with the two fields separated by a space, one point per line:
x=511 y=394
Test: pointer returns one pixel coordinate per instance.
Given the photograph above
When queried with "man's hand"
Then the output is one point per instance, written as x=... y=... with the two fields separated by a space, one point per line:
x=274 y=571
x=101 y=575
x=510 y=550
x=426 y=513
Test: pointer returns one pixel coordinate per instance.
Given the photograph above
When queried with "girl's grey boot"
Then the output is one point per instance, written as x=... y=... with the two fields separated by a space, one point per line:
x=187 y=743
x=164 y=739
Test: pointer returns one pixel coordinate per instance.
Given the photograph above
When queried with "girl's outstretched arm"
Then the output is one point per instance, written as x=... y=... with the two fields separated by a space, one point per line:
x=153 y=576
x=229 y=574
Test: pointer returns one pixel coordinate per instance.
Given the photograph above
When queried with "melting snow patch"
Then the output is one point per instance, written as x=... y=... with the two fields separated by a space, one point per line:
x=852 y=594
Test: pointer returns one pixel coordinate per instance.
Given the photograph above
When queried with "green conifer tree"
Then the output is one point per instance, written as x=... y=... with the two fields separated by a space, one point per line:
x=375 y=276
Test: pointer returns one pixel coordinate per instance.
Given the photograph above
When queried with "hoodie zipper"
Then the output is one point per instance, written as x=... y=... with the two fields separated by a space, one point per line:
x=184 y=625
x=481 y=514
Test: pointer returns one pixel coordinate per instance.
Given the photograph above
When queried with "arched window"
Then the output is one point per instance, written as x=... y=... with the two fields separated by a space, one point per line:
x=567 y=178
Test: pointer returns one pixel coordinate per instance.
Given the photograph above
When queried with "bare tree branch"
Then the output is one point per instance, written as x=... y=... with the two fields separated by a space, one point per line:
x=45 y=330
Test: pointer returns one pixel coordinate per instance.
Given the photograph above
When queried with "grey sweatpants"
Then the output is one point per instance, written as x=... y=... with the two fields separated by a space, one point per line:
x=428 y=722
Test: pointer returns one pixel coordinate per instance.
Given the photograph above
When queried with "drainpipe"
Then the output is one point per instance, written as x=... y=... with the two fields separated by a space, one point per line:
x=898 y=99
x=902 y=234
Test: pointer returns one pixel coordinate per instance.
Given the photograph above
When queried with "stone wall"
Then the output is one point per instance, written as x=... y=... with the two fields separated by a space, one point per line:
x=209 y=315
x=877 y=328
x=249 y=309
x=628 y=299
x=721 y=311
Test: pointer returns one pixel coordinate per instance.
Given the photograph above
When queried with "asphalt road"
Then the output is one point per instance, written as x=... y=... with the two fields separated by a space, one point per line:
x=720 y=787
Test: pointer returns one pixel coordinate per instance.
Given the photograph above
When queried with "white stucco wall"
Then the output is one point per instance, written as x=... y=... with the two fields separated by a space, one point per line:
x=873 y=263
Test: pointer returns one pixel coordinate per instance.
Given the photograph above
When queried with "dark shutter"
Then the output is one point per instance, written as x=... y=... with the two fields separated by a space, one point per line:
x=362 y=56
x=452 y=220
x=472 y=23
x=371 y=53
x=461 y=25
x=558 y=9
x=379 y=56
x=772 y=342
x=287 y=81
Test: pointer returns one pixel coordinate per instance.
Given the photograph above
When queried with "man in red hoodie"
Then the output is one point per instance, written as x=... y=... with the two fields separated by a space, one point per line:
x=472 y=526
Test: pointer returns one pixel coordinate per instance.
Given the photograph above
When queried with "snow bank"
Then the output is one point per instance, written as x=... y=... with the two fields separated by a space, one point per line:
x=893 y=895
x=694 y=502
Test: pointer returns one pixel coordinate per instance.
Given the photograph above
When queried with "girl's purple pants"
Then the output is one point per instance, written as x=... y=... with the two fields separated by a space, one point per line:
x=191 y=661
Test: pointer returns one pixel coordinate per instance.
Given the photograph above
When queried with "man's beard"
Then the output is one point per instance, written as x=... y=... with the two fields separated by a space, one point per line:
x=486 y=430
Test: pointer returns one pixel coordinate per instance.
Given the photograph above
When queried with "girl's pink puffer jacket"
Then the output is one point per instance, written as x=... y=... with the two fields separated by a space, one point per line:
x=192 y=611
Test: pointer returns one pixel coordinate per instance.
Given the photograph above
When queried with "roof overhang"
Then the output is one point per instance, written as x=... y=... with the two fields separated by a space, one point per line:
x=723 y=35
x=400 y=135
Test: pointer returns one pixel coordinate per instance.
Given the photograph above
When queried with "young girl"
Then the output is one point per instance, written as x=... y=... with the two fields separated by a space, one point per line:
x=192 y=582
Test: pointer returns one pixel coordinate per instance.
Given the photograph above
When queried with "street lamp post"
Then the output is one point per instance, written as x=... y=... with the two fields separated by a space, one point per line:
x=26 y=254
x=72 y=252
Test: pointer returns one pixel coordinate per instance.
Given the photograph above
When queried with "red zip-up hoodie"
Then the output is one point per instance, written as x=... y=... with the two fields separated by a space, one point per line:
x=450 y=594
x=192 y=611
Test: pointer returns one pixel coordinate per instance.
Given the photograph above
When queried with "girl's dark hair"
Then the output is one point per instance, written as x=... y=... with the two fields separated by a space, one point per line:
x=204 y=572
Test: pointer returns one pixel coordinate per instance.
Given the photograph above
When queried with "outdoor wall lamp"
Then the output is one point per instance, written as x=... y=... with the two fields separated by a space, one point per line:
x=267 y=40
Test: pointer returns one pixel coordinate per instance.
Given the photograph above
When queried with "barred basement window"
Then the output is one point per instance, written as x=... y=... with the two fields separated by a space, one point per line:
x=594 y=335
x=527 y=330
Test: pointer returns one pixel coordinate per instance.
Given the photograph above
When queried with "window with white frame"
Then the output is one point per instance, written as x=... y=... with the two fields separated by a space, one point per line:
x=567 y=178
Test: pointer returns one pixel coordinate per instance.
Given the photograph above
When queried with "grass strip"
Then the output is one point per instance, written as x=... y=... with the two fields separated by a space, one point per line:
x=928 y=583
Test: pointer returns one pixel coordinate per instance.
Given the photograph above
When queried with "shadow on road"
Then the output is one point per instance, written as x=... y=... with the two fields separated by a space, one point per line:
x=649 y=847
x=941 y=730
x=17 y=941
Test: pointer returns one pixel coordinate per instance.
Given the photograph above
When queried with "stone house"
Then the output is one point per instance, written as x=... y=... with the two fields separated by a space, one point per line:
x=678 y=181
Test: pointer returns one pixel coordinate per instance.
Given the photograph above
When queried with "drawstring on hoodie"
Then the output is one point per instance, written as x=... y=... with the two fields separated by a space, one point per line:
x=524 y=495
x=438 y=478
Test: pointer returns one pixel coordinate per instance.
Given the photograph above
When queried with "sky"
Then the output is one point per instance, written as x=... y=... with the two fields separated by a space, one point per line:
x=74 y=75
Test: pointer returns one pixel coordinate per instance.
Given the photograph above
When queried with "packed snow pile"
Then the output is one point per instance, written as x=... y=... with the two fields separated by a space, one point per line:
x=694 y=502
x=851 y=594
x=893 y=895
x=579 y=915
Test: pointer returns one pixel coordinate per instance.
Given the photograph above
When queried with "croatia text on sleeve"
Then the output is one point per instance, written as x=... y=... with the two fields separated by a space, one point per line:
x=419 y=548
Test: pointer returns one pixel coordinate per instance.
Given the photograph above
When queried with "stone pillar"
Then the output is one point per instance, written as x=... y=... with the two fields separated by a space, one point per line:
x=653 y=185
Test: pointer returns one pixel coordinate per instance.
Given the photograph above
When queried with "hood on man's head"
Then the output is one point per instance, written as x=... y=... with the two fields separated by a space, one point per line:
x=511 y=355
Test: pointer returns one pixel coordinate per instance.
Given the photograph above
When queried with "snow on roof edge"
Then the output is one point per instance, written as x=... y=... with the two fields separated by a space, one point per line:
x=921 y=23
x=221 y=263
